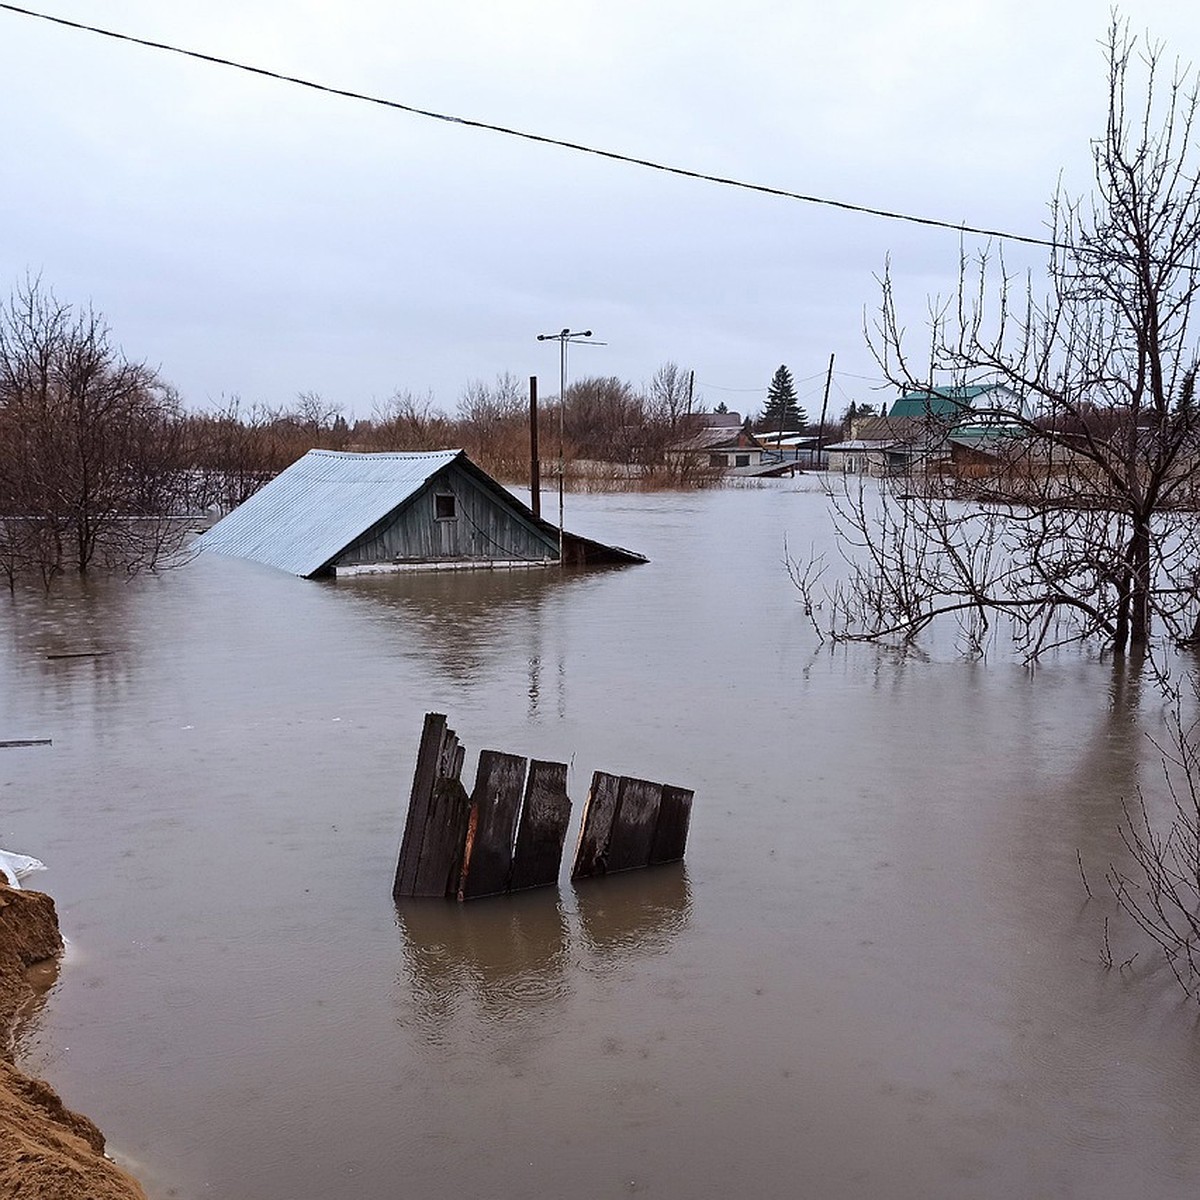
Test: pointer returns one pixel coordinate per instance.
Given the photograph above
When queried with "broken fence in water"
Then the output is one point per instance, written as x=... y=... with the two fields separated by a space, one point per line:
x=508 y=834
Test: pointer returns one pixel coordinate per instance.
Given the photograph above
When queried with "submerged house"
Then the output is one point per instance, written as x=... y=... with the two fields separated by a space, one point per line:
x=717 y=441
x=886 y=446
x=337 y=513
x=920 y=428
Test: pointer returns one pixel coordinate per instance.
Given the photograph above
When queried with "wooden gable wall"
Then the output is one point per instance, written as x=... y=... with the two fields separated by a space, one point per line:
x=483 y=529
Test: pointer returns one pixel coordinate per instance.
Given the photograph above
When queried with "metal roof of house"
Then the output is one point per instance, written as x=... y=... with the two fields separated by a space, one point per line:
x=891 y=429
x=728 y=438
x=310 y=512
x=944 y=403
x=862 y=444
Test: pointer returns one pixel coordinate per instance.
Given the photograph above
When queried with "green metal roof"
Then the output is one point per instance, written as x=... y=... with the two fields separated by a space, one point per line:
x=944 y=403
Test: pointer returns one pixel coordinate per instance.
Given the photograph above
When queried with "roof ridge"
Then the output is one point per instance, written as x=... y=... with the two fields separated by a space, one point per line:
x=380 y=453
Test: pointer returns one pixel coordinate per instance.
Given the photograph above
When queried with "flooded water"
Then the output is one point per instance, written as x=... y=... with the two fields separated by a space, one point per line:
x=877 y=973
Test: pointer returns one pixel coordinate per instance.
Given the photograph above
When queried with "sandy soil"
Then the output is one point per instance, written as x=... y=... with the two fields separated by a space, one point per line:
x=47 y=1152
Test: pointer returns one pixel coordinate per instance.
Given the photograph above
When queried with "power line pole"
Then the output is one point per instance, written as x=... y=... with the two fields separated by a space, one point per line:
x=535 y=465
x=824 y=407
x=564 y=338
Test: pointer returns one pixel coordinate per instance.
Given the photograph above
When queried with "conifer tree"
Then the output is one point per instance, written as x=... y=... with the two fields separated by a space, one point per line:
x=782 y=410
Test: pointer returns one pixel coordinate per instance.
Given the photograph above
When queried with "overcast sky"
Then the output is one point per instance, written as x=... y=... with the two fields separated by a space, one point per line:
x=252 y=238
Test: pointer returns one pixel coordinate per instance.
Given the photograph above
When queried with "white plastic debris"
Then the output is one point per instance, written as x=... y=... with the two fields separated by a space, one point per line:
x=15 y=867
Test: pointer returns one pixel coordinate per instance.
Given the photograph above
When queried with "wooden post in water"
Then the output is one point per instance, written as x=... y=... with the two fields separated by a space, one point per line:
x=535 y=464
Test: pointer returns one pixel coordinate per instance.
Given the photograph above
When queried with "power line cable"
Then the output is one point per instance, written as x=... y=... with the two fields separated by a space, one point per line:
x=612 y=155
x=760 y=390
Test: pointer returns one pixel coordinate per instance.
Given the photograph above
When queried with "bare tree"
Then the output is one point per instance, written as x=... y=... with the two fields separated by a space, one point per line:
x=670 y=397
x=494 y=404
x=604 y=418
x=1083 y=527
x=406 y=421
x=234 y=450
x=91 y=467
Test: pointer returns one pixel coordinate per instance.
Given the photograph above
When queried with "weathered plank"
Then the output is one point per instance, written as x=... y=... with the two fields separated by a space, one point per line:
x=544 y=817
x=495 y=805
x=671 y=830
x=633 y=824
x=438 y=756
x=594 y=831
x=440 y=864
x=501 y=839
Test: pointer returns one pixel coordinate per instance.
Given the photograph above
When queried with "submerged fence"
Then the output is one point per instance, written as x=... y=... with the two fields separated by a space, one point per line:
x=508 y=833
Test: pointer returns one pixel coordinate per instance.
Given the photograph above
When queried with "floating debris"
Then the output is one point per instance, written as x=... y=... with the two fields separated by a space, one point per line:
x=14 y=867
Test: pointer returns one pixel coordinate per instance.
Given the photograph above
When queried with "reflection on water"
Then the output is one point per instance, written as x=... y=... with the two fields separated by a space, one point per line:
x=504 y=957
x=634 y=913
x=508 y=959
x=454 y=613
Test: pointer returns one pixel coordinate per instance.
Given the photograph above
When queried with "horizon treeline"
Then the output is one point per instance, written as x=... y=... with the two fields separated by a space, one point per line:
x=610 y=432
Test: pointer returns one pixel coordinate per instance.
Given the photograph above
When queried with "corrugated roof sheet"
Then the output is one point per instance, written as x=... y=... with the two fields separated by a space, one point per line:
x=949 y=403
x=321 y=503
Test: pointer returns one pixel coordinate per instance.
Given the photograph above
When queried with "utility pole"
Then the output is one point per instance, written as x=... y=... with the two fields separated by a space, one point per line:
x=535 y=465
x=564 y=338
x=824 y=407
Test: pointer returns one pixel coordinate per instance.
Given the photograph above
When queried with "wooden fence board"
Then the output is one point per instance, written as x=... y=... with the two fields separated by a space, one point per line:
x=498 y=840
x=429 y=760
x=634 y=822
x=596 y=826
x=495 y=805
x=441 y=853
x=671 y=831
x=544 y=817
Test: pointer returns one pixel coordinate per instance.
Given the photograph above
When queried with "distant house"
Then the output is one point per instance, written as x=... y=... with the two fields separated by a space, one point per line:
x=793 y=451
x=716 y=441
x=720 y=448
x=921 y=428
x=969 y=404
x=714 y=420
x=336 y=513
x=885 y=446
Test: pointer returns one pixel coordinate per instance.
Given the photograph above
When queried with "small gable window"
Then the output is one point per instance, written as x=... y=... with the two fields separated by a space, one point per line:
x=443 y=506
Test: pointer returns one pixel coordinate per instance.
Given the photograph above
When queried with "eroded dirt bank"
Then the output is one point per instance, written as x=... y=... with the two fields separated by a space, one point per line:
x=47 y=1152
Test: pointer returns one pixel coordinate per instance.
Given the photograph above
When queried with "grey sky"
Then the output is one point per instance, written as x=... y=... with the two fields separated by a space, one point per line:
x=251 y=238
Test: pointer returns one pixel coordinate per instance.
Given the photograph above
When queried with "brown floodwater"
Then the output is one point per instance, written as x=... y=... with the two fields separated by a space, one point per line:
x=877 y=973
